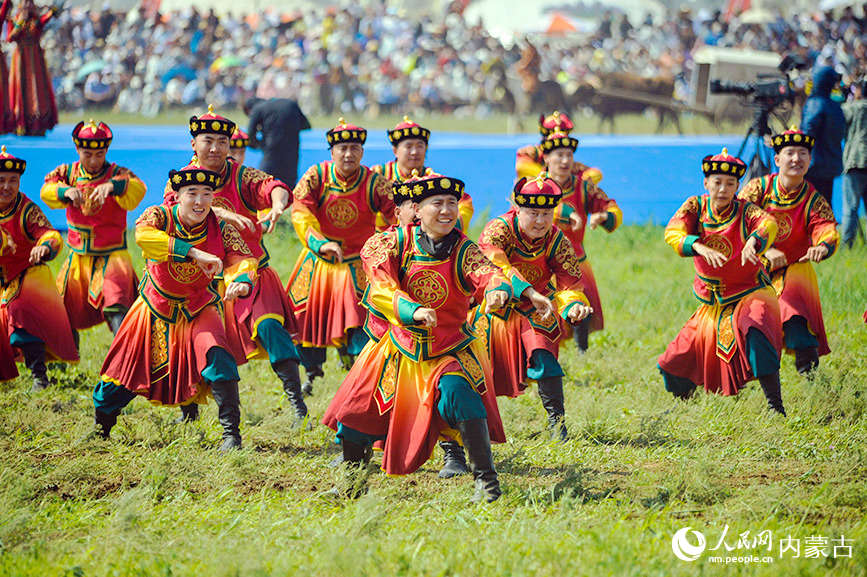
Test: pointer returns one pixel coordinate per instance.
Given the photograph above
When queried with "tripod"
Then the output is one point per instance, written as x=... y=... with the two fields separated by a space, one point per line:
x=761 y=160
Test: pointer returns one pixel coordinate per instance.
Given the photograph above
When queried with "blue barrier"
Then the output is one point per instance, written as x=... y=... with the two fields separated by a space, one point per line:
x=649 y=176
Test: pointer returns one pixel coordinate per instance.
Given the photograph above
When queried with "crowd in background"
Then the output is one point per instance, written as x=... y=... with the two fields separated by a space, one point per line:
x=339 y=61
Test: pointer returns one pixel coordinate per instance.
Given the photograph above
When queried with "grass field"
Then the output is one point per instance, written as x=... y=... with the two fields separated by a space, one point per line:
x=158 y=499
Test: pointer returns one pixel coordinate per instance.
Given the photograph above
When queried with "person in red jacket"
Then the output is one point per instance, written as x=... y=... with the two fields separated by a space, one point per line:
x=97 y=281
x=735 y=336
x=32 y=319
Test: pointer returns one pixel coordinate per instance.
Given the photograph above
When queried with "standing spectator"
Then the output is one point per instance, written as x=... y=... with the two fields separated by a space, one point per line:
x=822 y=118
x=279 y=121
x=854 y=162
x=31 y=96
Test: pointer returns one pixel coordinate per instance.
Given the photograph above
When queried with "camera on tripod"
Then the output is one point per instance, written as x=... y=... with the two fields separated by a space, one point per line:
x=768 y=91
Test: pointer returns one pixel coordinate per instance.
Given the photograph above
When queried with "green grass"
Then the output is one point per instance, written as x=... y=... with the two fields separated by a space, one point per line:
x=496 y=123
x=159 y=499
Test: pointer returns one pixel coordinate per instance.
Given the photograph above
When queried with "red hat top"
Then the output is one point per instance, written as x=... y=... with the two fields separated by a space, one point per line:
x=555 y=122
x=239 y=139
x=211 y=123
x=539 y=192
x=407 y=130
x=9 y=163
x=91 y=135
x=343 y=133
x=723 y=163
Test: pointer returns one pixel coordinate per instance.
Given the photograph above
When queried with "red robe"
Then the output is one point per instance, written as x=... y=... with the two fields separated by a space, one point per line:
x=550 y=266
x=246 y=191
x=28 y=296
x=583 y=197
x=804 y=219
x=161 y=348
x=394 y=391
x=326 y=295
x=711 y=349
x=31 y=97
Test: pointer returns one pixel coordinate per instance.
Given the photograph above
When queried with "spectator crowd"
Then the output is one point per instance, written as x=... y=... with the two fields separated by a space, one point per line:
x=336 y=61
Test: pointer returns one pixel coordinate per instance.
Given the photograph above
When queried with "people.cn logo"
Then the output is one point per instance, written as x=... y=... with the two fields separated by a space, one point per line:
x=683 y=548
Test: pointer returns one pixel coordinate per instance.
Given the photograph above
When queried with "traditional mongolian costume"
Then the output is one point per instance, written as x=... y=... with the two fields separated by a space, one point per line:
x=583 y=198
x=524 y=346
x=32 y=319
x=172 y=347
x=805 y=219
x=422 y=382
x=326 y=295
x=261 y=325
x=735 y=336
x=97 y=281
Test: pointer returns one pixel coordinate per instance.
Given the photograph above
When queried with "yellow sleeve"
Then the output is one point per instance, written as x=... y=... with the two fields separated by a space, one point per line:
x=465 y=212
x=680 y=233
x=151 y=236
x=55 y=186
x=129 y=190
x=306 y=195
x=4 y=243
x=379 y=256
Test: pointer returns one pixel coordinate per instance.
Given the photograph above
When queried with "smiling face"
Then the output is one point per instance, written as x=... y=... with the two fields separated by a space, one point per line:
x=410 y=154
x=437 y=215
x=721 y=188
x=347 y=157
x=793 y=161
x=92 y=160
x=535 y=223
x=194 y=203
x=211 y=150
x=9 y=183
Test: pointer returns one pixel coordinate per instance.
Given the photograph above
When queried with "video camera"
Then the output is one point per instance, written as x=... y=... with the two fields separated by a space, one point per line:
x=769 y=90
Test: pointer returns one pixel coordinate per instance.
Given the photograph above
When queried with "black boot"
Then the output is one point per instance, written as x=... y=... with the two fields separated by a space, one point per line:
x=287 y=370
x=581 y=335
x=312 y=375
x=806 y=360
x=771 y=387
x=189 y=413
x=103 y=422
x=114 y=320
x=477 y=441
x=34 y=359
x=551 y=393
x=355 y=460
x=454 y=462
x=229 y=411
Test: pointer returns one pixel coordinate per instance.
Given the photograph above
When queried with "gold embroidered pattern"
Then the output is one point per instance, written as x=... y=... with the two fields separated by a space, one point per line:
x=427 y=287
x=725 y=336
x=154 y=217
x=472 y=368
x=254 y=176
x=159 y=344
x=753 y=191
x=98 y=278
x=823 y=210
x=342 y=212
x=567 y=258
x=496 y=234
x=89 y=207
x=233 y=241
x=784 y=225
x=301 y=286
x=36 y=220
x=481 y=328
x=221 y=202
x=379 y=248
x=688 y=207
x=718 y=243
x=476 y=263
x=10 y=291
x=184 y=272
x=387 y=385
x=360 y=277
x=382 y=189
x=778 y=279
x=308 y=185
x=530 y=272
x=59 y=174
